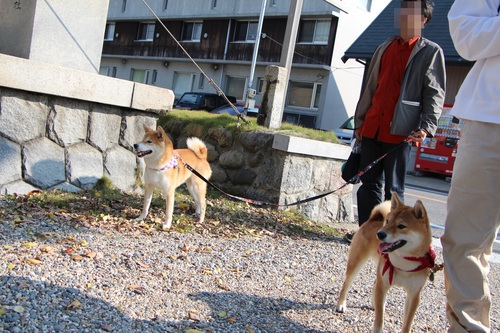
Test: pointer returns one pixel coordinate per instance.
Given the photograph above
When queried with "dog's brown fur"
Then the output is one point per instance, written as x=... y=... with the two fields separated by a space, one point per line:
x=391 y=221
x=157 y=150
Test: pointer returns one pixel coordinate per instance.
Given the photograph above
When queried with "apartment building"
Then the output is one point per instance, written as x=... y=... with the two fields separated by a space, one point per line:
x=220 y=36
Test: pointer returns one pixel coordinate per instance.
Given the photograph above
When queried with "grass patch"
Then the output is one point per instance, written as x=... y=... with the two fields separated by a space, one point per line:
x=198 y=123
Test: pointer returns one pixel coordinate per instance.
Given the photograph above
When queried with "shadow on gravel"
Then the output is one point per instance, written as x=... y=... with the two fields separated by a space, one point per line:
x=233 y=312
x=33 y=306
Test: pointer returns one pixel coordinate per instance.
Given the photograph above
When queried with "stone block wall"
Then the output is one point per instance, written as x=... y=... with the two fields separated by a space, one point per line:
x=49 y=142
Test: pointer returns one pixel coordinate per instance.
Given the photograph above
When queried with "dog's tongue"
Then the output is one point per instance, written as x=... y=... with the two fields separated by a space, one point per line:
x=383 y=247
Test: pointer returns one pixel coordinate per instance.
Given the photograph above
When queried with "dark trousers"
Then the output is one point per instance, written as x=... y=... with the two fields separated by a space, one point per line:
x=392 y=168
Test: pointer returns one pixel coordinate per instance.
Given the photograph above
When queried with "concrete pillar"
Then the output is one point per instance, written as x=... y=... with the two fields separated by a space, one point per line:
x=273 y=98
x=67 y=33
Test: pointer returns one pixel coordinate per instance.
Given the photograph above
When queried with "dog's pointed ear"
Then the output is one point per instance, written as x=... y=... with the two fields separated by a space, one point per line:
x=161 y=133
x=419 y=210
x=147 y=128
x=395 y=201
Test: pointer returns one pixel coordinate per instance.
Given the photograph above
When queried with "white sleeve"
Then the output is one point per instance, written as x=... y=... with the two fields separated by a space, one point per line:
x=475 y=28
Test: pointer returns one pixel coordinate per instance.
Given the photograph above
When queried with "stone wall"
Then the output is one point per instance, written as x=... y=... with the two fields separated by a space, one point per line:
x=49 y=142
x=250 y=165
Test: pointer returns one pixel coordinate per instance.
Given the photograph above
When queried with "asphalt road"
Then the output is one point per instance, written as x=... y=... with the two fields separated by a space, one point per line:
x=433 y=192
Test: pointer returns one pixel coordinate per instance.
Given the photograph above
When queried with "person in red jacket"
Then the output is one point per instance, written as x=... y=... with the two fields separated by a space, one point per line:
x=403 y=95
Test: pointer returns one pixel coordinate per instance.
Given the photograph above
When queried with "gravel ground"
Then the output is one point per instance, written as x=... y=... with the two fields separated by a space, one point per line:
x=60 y=276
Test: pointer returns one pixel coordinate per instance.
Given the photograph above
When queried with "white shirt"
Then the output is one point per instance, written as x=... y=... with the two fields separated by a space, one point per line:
x=475 y=30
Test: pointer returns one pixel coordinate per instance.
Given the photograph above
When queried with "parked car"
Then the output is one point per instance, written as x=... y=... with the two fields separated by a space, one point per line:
x=201 y=101
x=345 y=132
x=229 y=110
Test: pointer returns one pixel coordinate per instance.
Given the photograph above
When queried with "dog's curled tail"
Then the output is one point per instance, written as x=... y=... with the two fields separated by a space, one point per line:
x=198 y=147
x=379 y=212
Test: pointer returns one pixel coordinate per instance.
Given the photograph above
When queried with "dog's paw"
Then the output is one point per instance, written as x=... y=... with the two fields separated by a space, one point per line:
x=140 y=218
x=341 y=307
x=166 y=226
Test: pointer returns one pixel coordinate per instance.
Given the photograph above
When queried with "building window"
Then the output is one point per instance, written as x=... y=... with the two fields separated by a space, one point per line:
x=146 y=31
x=201 y=82
x=109 y=32
x=235 y=86
x=139 y=75
x=155 y=76
x=191 y=31
x=104 y=70
x=246 y=31
x=183 y=82
x=303 y=94
x=124 y=6
x=314 y=31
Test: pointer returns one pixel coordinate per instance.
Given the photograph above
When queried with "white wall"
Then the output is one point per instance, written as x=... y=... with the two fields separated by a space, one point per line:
x=343 y=88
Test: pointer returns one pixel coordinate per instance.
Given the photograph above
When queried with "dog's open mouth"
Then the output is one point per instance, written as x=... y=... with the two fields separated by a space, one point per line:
x=142 y=153
x=389 y=247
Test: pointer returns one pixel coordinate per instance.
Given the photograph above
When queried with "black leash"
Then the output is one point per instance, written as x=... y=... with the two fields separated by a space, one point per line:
x=353 y=180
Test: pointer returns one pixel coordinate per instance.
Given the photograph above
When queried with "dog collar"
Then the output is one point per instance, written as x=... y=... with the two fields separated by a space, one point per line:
x=427 y=261
x=171 y=164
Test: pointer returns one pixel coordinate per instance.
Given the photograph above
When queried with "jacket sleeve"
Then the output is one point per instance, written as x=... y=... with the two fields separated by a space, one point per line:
x=475 y=28
x=433 y=92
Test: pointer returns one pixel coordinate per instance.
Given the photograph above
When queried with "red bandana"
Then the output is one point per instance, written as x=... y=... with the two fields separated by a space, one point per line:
x=427 y=261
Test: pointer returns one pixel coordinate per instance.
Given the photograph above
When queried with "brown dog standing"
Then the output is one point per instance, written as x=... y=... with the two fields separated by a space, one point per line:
x=165 y=170
x=399 y=237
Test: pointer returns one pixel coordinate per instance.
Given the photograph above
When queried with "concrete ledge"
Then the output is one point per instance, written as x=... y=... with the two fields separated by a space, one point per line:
x=293 y=144
x=39 y=77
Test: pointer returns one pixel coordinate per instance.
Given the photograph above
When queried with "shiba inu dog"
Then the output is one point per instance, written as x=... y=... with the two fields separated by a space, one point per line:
x=399 y=238
x=166 y=171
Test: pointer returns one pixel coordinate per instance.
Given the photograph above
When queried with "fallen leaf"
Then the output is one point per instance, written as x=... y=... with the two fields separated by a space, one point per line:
x=90 y=254
x=33 y=262
x=48 y=249
x=11 y=265
x=192 y=330
x=29 y=245
x=2 y=311
x=287 y=279
x=193 y=315
x=77 y=257
x=106 y=328
x=250 y=330
x=231 y=320
x=18 y=309
x=185 y=248
x=222 y=314
x=140 y=263
x=75 y=305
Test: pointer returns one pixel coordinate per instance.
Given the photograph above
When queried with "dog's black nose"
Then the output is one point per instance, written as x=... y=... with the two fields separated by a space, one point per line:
x=381 y=235
x=135 y=145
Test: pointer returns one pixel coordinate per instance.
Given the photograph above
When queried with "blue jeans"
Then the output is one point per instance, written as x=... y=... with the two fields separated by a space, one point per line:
x=392 y=168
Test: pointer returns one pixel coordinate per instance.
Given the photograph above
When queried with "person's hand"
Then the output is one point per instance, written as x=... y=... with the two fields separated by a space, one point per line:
x=357 y=134
x=418 y=136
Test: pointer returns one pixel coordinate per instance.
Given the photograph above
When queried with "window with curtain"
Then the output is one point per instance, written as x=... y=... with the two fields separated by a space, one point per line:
x=183 y=82
x=303 y=94
x=246 y=31
x=109 y=32
x=146 y=31
x=235 y=86
x=191 y=31
x=314 y=31
x=140 y=75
